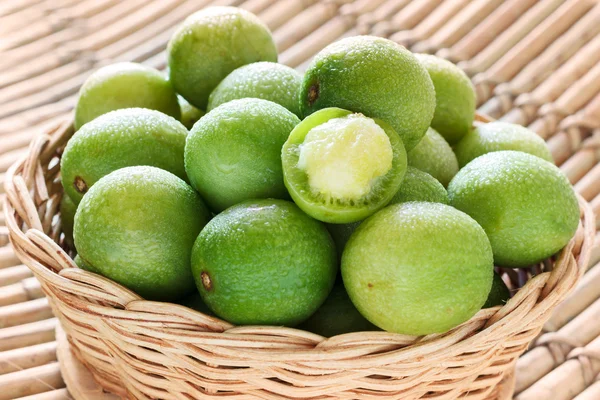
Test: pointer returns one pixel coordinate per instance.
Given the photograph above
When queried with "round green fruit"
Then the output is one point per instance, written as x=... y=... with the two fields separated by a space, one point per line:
x=67 y=217
x=454 y=98
x=124 y=85
x=118 y=139
x=498 y=136
x=264 y=262
x=195 y=302
x=263 y=80
x=234 y=152
x=82 y=264
x=373 y=76
x=525 y=204
x=418 y=268
x=420 y=186
x=434 y=156
x=341 y=167
x=499 y=294
x=337 y=316
x=189 y=114
x=210 y=44
x=137 y=226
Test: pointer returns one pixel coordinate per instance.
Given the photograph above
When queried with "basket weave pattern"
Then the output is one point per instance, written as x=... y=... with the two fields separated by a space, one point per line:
x=141 y=349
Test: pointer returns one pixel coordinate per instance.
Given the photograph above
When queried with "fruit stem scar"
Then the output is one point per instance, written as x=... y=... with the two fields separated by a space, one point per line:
x=206 y=281
x=313 y=93
x=80 y=185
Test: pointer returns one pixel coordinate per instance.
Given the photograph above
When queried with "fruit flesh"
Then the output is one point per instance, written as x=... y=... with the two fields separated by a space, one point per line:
x=264 y=262
x=210 y=44
x=124 y=85
x=525 y=204
x=233 y=153
x=263 y=80
x=343 y=192
x=338 y=156
x=137 y=226
x=418 y=268
x=121 y=138
x=373 y=76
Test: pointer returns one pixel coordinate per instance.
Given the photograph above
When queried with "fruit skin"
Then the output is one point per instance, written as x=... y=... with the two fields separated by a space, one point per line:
x=337 y=316
x=454 y=97
x=416 y=186
x=525 y=204
x=67 y=217
x=124 y=85
x=297 y=184
x=189 y=114
x=234 y=152
x=499 y=294
x=195 y=302
x=434 y=156
x=497 y=136
x=121 y=138
x=420 y=186
x=264 y=80
x=373 y=76
x=264 y=262
x=137 y=226
x=418 y=268
x=210 y=44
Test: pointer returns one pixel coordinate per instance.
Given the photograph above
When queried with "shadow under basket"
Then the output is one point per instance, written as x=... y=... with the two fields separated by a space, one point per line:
x=145 y=350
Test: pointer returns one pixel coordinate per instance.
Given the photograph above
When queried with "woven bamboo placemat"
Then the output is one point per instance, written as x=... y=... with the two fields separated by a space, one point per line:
x=533 y=62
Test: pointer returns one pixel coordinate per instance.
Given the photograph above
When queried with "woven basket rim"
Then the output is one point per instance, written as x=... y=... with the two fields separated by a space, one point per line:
x=83 y=296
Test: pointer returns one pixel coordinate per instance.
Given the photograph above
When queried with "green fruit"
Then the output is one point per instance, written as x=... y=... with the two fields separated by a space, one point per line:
x=434 y=156
x=82 y=264
x=124 y=85
x=122 y=138
x=418 y=268
x=499 y=294
x=525 y=204
x=67 y=217
x=373 y=76
x=195 y=302
x=210 y=44
x=264 y=262
x=264 y=80
x=189 y=114
x=420 y=186
x=454 y=98
x=337 y=316
x=137 y=226
x=341 y=167
x=234 y=152
x=497 y=136
x=340 y=233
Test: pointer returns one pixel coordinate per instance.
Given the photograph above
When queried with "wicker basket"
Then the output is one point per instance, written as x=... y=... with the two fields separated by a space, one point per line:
x=142 y=349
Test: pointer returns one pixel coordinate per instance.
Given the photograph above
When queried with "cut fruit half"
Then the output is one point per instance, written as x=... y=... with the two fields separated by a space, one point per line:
x=341 y=167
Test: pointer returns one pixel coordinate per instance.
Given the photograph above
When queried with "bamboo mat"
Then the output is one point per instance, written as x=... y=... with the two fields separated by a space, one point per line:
x=535 y=63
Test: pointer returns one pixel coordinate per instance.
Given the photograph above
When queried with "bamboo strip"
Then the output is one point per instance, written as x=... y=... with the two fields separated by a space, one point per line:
x=589 y=186
x=431 y=24
x=570 y=378
x=11 y=275
x=8 y=258
x=36 y=380
x=27 y=335
x=304 y=23
x=256 y=6
x=27 y=357
x=282 y=11
x=591 y=393
x=3 y=229
x=11 y=7
x=26 y=290
x=583 y=296
x=457 y=27
x=487 y=30
x=510 y=37
x=541 y=67
x=528 y=103
x=366 y=21
x=529 y=47
x=60 y=394
x=20 y=19
x=539 y=361
x=407 y=18
x=24 y=313
x=89 y=8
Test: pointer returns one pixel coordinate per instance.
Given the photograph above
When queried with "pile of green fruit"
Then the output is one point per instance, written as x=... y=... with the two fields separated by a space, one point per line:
x=367 y=164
